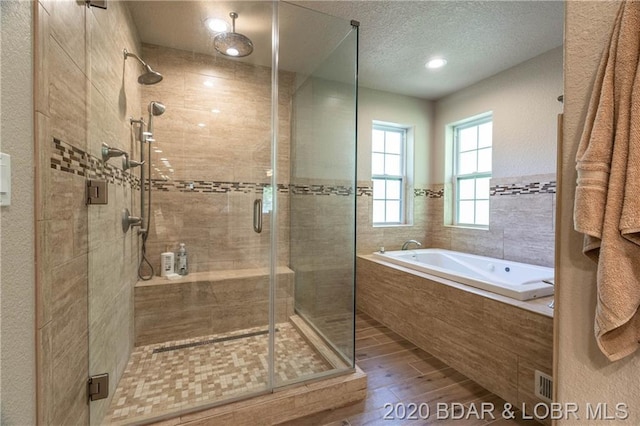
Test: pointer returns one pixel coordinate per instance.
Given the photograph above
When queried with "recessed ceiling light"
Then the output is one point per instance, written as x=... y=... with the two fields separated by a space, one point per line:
x=201 y=125
x=208 y=83
x=436 y=63
x=217 y=25
x=215 y=111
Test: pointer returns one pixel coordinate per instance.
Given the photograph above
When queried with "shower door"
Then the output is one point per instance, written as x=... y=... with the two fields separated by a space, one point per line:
x=201 y=339
x=318 y=60
x=249 y=162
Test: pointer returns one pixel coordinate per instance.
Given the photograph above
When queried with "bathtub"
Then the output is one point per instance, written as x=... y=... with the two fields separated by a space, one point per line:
x=512 y=279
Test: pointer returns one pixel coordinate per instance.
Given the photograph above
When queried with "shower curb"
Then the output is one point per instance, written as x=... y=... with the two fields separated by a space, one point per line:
x=284 y=405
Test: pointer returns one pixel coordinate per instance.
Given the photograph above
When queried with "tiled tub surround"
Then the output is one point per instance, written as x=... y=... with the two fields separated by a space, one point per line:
x=216 y=134
x=205 y=303
x=496 y=341
x=371 y=238
x=522 y=222
x=160 y=380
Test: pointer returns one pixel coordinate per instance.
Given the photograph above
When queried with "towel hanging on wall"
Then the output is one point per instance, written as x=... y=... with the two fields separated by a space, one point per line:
x=607 y=202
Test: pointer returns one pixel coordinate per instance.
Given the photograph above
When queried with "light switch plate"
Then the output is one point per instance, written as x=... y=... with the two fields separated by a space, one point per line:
x=5 y=179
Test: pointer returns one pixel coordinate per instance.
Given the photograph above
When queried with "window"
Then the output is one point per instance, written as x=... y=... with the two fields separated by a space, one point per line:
x=472 y=171
x=388 y=173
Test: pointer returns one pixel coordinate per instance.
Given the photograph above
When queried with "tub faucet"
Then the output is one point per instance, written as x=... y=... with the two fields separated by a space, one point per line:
x=405 y=246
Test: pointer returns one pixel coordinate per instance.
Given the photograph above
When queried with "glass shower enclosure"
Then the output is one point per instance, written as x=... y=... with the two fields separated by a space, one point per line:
x=250 y=162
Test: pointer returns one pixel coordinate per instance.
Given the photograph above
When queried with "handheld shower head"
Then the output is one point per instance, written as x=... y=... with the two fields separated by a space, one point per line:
x=155 y=108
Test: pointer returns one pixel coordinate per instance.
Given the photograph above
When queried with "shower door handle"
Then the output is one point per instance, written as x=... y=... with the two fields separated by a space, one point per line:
x=257 y=216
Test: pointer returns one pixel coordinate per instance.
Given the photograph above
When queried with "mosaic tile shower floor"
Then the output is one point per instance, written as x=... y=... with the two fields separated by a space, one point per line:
x=230 y=366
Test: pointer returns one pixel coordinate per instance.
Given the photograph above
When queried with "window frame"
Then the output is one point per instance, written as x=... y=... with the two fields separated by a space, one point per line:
x=402 y=177
x=456 y=177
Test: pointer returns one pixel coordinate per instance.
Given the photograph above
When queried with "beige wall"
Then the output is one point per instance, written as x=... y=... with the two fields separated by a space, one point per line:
x=17 y=276
x=583 y=374
x=394 y=108
x=85 y=94
x=405 y=110
x=524 y=104
x=226 y=154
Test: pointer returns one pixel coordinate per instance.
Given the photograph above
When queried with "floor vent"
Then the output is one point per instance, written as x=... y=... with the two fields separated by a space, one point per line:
x=544 y=386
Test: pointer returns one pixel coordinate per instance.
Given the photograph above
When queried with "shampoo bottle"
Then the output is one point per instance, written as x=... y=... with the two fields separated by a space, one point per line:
x=182 y=267
x=167 y=263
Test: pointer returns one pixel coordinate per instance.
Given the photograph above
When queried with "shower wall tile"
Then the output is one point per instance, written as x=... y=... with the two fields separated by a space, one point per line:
x=102 y=343
x=57 y=242
x=84 y=97
x=67 y=22
x=41 y=60
x=106 y=62
x=45 y=375
x=230 y=144
x=67 y=97
x=173 y=311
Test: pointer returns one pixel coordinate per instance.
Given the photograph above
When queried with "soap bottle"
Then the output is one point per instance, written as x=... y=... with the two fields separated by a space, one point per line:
x=182 y=267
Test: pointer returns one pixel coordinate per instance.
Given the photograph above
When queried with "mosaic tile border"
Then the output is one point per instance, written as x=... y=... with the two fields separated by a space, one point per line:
x=70 y=159
x=367 y=191
x=524 y=188
x=199 y=186
x=216 y=187
x=429 y=193
x=321 y=190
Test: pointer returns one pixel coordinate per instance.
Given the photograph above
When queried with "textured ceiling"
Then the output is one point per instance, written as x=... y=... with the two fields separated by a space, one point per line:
x=478 y=38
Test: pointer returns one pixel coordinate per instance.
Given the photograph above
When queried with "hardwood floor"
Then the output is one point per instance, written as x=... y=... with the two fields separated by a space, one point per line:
x=401 y=374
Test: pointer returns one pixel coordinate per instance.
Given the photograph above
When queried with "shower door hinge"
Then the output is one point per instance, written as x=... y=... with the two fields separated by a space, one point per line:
x=98 y=386
x=102 y=4
x=97 y=192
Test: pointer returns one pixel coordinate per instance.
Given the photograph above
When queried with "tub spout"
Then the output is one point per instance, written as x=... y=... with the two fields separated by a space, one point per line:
x=405 y=246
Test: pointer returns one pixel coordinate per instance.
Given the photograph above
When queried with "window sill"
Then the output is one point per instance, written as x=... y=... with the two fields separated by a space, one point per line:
x=479 y=228
x=392 y=225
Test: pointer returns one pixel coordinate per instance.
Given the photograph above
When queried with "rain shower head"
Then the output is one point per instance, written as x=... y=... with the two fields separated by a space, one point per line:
x=149 y=76
x=232 y=43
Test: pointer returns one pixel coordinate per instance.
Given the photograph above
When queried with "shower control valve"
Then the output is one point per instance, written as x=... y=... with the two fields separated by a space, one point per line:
x=129 y=221
x=130 y=164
